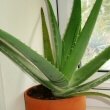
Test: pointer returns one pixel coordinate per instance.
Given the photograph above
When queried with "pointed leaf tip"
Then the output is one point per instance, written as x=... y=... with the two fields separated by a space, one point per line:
x=46 y=40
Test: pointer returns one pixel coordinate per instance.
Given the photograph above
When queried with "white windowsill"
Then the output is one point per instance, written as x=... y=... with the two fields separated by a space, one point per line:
x=105 y=85
x=97 y=108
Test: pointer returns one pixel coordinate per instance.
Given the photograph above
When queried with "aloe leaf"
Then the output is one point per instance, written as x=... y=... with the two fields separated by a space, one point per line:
x=90 y=94
x=82 y=42
x=55 y=34
x=46 y=40
x=85 y=86
x=27 y=66
x=90 y=68
x=93 y=83
x=72 y=31
x=43 y=65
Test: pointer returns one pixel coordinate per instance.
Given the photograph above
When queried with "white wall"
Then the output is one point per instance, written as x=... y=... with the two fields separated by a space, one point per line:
x=21 y=18
x=64 y=13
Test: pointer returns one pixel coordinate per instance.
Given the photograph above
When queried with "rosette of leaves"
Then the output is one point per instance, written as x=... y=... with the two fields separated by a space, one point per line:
x=59 y=72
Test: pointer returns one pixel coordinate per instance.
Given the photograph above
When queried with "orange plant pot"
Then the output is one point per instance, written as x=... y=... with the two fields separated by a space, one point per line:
x=75 y=103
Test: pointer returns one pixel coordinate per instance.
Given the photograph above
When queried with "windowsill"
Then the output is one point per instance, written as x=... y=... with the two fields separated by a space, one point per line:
x=105 y=85
x=97 y=108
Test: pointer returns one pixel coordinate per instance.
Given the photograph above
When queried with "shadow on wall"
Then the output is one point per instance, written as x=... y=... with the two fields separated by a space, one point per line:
x=2 y=97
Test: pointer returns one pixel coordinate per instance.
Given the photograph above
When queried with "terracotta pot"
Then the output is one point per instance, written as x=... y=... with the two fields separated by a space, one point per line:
x=75 y=103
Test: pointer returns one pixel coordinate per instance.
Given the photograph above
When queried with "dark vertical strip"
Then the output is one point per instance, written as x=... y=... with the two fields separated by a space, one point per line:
x=79 y=66
x=57 y=11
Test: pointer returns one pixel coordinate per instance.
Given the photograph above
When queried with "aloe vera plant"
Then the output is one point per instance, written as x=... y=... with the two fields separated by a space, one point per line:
x=59 y=72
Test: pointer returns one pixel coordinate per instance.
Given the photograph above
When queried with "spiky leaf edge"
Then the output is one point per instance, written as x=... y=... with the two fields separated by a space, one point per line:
x=83 y=39
x=90 y=68
x=44 y=66
x=72 y=32
x=28 y=67
x=46 y=41
x=55 y=33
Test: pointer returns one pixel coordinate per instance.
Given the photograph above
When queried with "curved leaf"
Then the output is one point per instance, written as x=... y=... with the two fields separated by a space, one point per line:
x=90 y=68
x=84 y=93
x=27 y=66
x=86 y=86
x=90 y=94
x=43 y=65
x=93 y=83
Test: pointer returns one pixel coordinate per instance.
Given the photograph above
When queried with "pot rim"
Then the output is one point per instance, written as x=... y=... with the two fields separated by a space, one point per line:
x=63 y=99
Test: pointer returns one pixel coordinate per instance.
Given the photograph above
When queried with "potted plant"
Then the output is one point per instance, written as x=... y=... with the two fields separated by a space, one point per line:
x=62 y=83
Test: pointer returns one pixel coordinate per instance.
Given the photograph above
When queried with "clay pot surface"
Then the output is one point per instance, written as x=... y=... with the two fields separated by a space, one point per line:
x=74 y=103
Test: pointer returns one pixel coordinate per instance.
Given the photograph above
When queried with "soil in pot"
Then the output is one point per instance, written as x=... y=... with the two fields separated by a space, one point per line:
x=41 y=92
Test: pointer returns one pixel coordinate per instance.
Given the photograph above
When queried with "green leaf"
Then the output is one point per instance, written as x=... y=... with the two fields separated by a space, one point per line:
x=84 y=87
x=88 y=85
x=83 y=93
x=27 y=66
x=55 y=34
x=72 y=32
x=82 y=42
x=92 y=83
x=90 y=94
x=46 y=41
x=90 y=68
x=43 y=65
